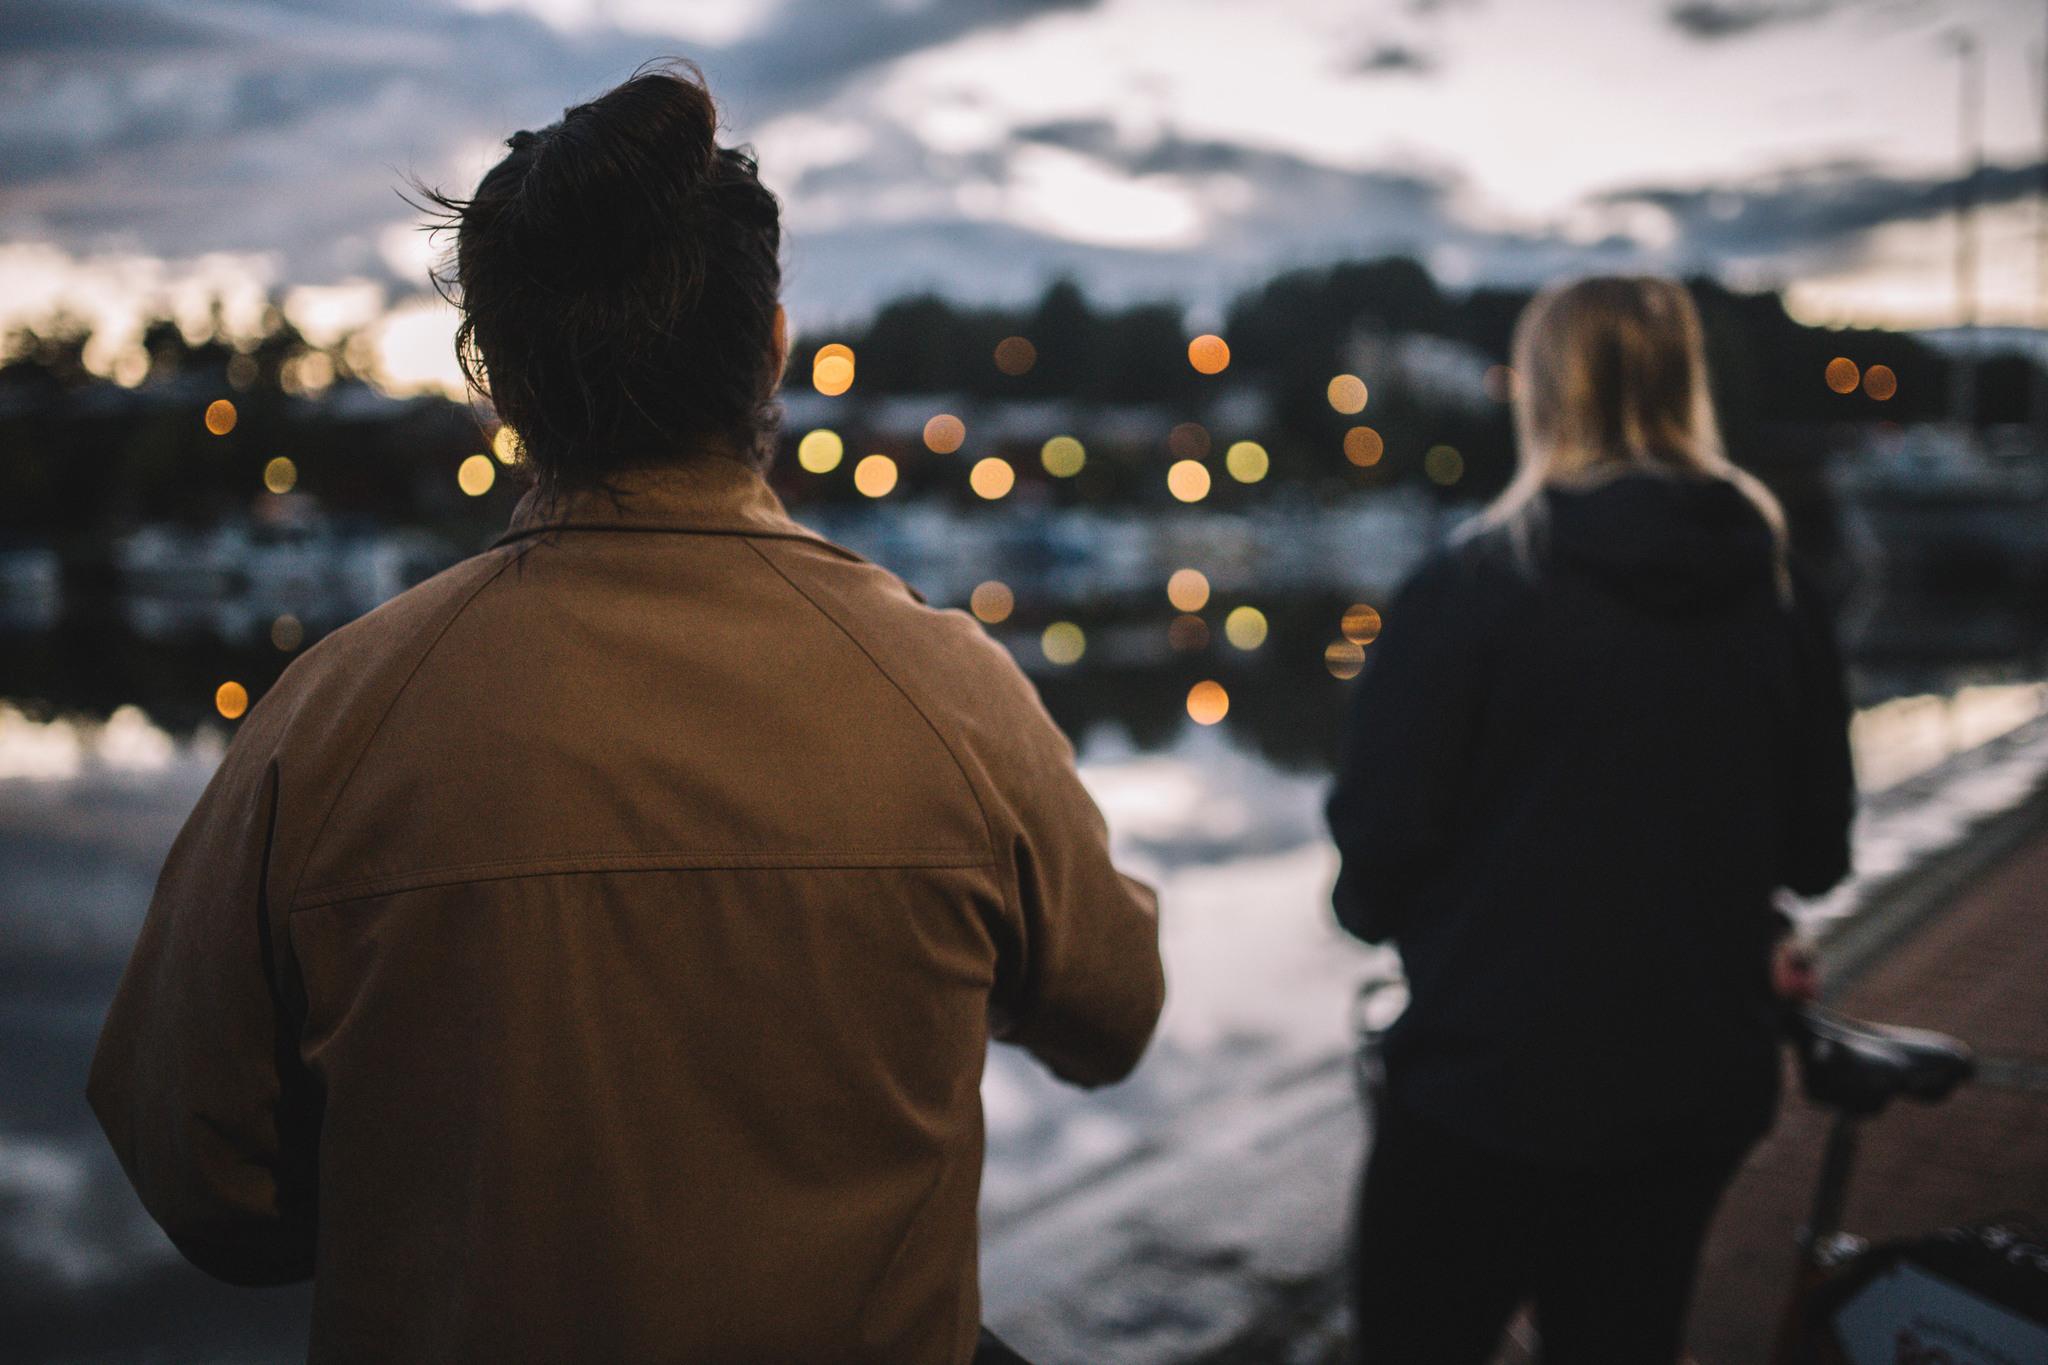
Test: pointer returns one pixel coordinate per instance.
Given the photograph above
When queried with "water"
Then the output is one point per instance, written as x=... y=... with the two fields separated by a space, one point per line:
x=111 y=735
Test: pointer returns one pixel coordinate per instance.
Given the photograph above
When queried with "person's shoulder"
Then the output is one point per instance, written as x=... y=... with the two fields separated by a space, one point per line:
x=883 y=612
x=371 y=656
x=1479 y=557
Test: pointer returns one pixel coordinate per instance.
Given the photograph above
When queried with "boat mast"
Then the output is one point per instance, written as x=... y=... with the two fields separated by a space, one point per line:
x=1963 y=367
x=2039 y=369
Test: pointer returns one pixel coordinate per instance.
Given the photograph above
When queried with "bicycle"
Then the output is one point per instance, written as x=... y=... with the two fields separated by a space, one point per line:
x=1981 y=1288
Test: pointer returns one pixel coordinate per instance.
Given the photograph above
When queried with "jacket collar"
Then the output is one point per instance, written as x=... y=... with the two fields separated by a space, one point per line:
x=704 y=495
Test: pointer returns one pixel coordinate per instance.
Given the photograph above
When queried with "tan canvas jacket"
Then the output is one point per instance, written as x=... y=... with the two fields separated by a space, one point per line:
x=591 y=953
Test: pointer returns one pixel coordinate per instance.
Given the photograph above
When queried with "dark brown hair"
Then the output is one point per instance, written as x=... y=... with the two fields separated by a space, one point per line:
x=618 y=274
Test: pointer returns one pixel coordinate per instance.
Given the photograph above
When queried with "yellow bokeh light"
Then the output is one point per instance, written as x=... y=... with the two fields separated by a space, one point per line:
x=1188 y=589
x=1363 y=447
x=992 y=478
x=1880 y=383
x=1188 y=441
x=1186 y=632
x=1188 y=481
x=1063 y=643
x=1344 y=659
x=220 y=417
x=1444 y=465
x=875 y=475
x=820 y=451
x=476 y=475
x=1247 y=461
x=1209 y=354
x=944 y=434
x=1208 y=703
x=1842 y=375
x=287 y=632
x=1015 y=355
x=992 y=602
x=1361 y=624
x=281 y=475
x=1347 y=394
x=1245 y=627
x=505 y=445
x=231 y=699
x=1063 y=457
x=832 y=375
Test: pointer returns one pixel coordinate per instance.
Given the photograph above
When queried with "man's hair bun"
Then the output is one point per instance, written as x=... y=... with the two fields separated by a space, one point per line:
x=618 y=275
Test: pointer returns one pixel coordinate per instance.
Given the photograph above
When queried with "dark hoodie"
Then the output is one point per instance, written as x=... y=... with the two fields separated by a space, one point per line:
x=1577 y=770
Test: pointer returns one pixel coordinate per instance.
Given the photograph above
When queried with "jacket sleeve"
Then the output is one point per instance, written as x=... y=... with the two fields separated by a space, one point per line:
x=1821 y=795
x=196 y=1079
x=1403 y=767
x=1081 y=987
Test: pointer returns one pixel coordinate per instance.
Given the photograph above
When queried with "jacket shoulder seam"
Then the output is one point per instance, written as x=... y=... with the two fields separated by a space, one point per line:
x=341 y=788
x=973 y=792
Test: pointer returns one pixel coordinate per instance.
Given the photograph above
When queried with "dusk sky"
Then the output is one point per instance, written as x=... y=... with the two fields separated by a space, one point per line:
x=154 y=154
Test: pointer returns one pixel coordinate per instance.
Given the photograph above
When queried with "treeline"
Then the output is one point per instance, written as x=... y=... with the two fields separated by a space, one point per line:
x=83 y=454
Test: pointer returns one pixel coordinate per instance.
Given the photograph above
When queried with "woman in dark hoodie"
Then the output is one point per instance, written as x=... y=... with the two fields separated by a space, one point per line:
x=1598 y=734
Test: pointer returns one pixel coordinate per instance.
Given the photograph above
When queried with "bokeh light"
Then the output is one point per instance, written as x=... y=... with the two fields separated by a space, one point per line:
x=281 y=475
x=1188 y=441
x=1016 y=355
x=1245 y=627
x=1842 y=376
x=1063 y=457
x=1208 y=702
x=944 y=434
x=1187 y=632
x=1361 y=624
x=1344 y=659
x=1247 y=461
x=832 y=376
x=1880 y=383
x=1188 y=480
x=476 y=475
x=992 y=478
x=1444 y=465
x=287 y=633
x=1363 y=447
x=874 y=476
x=1347 y=394
x=1209 y=354
x=231 y=699
x=820 y=451
x=832 y=369
x=1188 y=589
x=505 y=445
x=992 y=602
x=1063 y=643
x=220 y=417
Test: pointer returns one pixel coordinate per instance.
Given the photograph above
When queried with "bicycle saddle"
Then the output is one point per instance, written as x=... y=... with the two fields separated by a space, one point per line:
x=1859 y=1068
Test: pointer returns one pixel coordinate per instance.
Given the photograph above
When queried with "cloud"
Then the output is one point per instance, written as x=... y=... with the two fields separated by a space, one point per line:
x=1731 y=19
x=1813 y=209
x=1394 y=59
x=285 y=127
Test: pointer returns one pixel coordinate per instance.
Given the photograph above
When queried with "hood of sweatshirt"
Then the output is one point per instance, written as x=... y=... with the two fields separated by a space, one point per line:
x=1666 y=543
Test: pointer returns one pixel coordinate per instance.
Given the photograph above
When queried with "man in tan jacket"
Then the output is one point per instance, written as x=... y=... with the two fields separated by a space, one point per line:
x=591 y=954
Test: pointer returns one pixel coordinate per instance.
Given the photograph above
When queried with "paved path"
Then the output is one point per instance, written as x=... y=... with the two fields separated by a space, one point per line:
x=1976 y=968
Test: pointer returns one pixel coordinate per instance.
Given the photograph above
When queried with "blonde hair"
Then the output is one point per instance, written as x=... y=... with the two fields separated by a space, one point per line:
x=1610 y=376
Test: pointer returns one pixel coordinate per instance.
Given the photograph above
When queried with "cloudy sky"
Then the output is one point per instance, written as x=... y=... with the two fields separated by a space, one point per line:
x=154 y=153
